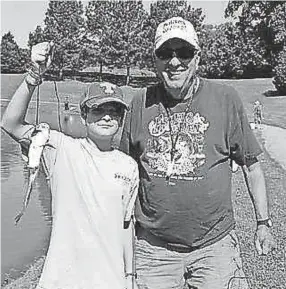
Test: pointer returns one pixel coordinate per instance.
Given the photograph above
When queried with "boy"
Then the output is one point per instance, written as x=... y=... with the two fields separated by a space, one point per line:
x=93 y=187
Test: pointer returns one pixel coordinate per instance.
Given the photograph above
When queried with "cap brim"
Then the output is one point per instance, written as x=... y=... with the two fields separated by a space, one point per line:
x=178 y=35
x=96 y=101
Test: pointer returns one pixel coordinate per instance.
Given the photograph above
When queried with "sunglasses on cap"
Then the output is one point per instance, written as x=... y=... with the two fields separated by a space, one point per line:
x=183 y=53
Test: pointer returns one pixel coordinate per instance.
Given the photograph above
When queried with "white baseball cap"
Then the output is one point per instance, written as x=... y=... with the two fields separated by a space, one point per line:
x=176 y=27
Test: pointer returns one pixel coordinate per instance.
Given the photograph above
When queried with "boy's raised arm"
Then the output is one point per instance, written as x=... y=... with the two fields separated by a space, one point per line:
x=13 y=120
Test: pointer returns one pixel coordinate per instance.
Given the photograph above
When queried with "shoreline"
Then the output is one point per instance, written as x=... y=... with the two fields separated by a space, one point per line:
x=29 y=279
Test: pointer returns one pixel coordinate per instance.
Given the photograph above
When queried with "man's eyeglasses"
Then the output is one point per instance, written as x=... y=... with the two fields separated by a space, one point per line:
x=183 y=53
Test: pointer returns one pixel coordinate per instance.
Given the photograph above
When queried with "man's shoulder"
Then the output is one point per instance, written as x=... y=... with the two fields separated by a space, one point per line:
x=221 y=90
x=218 y=85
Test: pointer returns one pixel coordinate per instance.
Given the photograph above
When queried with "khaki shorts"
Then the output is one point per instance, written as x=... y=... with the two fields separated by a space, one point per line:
x=217 y=266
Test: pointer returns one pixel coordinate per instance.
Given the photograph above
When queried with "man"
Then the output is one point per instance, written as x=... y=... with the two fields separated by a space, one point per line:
x=183 y=133
x=93 y=187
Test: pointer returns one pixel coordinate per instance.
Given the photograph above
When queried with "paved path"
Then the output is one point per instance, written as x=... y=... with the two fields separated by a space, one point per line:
x=275 y=143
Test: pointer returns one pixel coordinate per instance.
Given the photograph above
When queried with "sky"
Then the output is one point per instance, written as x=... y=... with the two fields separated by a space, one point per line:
x=21 y=17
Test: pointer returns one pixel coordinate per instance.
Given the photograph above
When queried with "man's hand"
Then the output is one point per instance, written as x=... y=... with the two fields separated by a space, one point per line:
x=264 y=241
x=41 y=56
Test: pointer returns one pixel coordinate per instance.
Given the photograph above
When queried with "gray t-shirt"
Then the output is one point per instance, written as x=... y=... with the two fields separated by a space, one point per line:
x=194 y=207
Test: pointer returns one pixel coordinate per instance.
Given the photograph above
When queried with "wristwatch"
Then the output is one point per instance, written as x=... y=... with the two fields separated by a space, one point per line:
x=266 y=222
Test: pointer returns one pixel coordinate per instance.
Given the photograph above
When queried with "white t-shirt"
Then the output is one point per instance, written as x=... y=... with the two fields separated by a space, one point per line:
x=93 y=192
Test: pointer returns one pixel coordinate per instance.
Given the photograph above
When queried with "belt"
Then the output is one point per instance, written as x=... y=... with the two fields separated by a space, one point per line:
x=179 y=248
x=156 y=241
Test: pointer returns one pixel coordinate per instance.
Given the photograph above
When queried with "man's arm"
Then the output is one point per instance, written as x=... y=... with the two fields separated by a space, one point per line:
x=257 y=190
x=264 y=240
x=13 y=120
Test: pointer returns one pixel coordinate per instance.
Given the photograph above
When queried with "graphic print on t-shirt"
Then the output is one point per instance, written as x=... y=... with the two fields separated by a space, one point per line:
x=189 y=148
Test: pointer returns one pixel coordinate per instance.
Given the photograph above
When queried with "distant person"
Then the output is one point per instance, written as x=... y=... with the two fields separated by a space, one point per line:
x=257 y=112
x=93 y=187
x=184 y=132
x=66 y=104
x=67 y=115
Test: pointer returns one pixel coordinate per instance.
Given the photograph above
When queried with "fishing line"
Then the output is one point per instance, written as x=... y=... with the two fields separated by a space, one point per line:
x=38 y=102
x=57 y=96
x=59 y=106
x=134 y=274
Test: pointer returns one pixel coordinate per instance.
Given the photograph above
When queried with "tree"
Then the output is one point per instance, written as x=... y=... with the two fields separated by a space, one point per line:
x=25 y=57
x=161 y=10
x=115 y=42
x=64 y=24
x=280 y=72
x=36 y=37
x=130 y=40
x=11 y=61
x=245 y=49
x=99 y=27
x=220 y=52
x=227 y=53
x=267 y=21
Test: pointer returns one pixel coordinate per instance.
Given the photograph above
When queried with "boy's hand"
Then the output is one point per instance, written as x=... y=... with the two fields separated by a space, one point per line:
x=41 y=56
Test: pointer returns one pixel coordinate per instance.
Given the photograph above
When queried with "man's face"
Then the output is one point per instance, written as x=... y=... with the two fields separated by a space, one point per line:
x=176 y=62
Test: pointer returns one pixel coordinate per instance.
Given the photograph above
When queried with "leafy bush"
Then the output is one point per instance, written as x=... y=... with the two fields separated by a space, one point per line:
x=280 y=72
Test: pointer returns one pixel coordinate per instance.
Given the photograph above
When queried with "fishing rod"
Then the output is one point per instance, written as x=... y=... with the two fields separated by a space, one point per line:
x=38 y=105
x=37 y=117
x=58 y=106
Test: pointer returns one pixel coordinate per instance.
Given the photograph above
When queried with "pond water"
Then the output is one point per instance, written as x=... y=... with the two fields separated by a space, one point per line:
x=21 y=244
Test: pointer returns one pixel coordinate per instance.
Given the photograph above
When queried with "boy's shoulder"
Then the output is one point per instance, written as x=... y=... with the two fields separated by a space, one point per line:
x=126 y=159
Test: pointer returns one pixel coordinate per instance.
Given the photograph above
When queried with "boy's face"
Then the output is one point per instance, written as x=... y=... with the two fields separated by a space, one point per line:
x=104 y=121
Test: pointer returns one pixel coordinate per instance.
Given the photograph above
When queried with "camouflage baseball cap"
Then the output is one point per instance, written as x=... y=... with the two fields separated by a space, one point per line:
x=102 y=92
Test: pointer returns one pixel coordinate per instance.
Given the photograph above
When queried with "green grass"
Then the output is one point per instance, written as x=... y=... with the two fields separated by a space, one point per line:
x=274 y=107
x=267 y=272
x=262 y=271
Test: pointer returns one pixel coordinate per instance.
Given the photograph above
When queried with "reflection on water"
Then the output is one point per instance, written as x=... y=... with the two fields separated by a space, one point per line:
x=23 y=243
